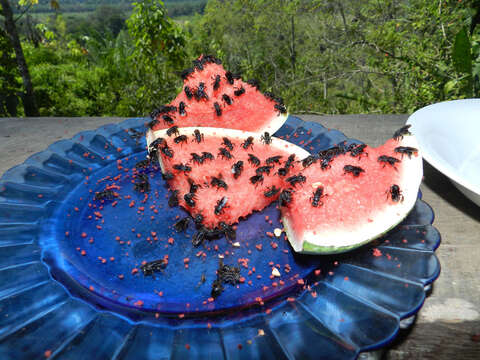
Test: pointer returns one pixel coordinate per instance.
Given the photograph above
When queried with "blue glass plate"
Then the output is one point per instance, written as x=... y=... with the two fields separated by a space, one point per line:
x=70 y=284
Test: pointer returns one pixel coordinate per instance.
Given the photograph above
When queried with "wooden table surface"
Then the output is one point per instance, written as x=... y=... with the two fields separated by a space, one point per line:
x=447 y=326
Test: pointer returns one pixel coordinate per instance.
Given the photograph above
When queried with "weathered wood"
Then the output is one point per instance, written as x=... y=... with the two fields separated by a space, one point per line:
x=448 y=325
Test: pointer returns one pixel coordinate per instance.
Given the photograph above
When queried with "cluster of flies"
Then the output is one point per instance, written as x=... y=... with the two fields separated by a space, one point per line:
x=167 y=113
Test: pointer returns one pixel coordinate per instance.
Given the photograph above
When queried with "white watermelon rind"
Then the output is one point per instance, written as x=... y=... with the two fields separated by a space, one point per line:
x=387 y=218
x=232 y=134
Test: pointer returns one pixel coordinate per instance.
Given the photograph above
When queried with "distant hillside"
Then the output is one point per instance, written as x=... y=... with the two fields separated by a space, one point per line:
x=174 y=7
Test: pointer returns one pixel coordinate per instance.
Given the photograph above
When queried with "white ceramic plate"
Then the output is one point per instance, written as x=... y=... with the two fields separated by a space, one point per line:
x=448 y=134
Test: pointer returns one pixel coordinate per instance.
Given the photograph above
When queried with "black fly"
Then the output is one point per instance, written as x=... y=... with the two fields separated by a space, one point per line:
x=254 y=83
x=388 y=160
x=317 y=196
x=196 y=158
x=167 y=151
x=197 y=136
x=182 y=224
x=193 y=187
x=280 y=108
x=188 y=92
x=358 y=151
x=218 y=109
x=296 y=179
x=173 y=131
x=181 y=108
x=189 y=199
x=273 y=160
x=309 y=160
x=402 y=131
x=237 y=169
x=224 y=153
x=218 y=182
x=216 y=83
x=285 y=197
x=198 y=64
x=221 y=205
x=105 y=195
x=227 y=143
x=181 y=139
x=263 y=169
x=152 y=123
x=154 y=266
x=167 y=119
x=289 y=162
x=167 y=176
x=271 y=191
x=207 y=156
x=227 y=99
x=256 y=178
x=406 y=150
x=266 y=138
x=173 y=199
x=252 y=159
x=181 y=167
x=354 y=170
x=200 y=93
x=395 y=193
x=248 y=143
x=186 y=73
x=229 y=76
x=239 y=92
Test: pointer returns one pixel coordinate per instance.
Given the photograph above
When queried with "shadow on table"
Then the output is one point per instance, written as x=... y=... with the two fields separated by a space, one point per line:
x=443 y=187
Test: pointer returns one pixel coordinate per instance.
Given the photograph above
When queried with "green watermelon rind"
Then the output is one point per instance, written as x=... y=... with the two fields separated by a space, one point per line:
x=410 y=196
x=309 y=248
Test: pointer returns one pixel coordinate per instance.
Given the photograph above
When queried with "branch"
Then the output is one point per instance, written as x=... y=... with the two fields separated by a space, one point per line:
x=23 y=13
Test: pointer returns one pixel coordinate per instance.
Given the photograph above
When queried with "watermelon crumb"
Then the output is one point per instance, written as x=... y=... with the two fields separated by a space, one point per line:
x=377 y=252
x=47 y=353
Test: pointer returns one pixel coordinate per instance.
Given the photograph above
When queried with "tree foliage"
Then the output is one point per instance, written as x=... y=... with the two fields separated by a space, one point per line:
x=321 y=56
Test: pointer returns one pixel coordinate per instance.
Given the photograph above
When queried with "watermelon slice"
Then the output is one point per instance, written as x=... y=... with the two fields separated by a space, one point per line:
x=222 y=175
x=353 y=195
x=213 y=97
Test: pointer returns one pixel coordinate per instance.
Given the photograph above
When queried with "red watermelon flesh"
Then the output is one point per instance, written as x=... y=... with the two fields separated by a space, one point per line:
x=232 y=103
x=353 y=206
x=240 y=196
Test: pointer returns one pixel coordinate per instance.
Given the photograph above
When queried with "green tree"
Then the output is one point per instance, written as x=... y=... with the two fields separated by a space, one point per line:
x=158 y=55
x=9 y=85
